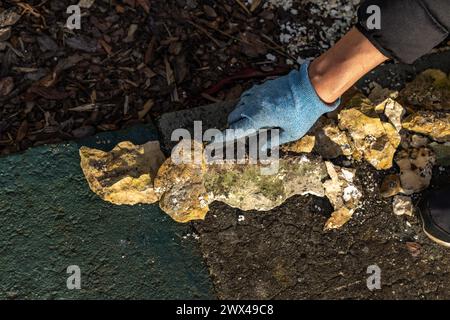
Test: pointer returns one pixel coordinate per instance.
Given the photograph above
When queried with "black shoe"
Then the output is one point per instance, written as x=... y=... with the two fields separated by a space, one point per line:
x=434 y=209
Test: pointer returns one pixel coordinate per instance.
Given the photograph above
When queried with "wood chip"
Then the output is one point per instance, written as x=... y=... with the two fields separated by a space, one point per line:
x=22 y=132
x=210 y=12
x=243 y=6
x=126 y=104
x=5 y=33
x=255 y=5
x=148 y=57
x=86 y=3
x=8 y=17
x=171 y=79
x=6 y=86
x=105 y=46
x=84 y=107
x=146 y=108
x=145 y=4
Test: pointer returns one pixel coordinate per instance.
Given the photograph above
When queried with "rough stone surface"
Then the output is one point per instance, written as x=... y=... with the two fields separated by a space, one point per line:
x=394 y=111
x=373 y=140
x=402 y=205
x=304 y=145
x=436 y=125
x=340 y=189
x=188 y=188
x=125 y=174
x=430 y=89
x=180 y=182
x=416 y=169
x=243 y=186
x=331 y=141
x=185 y=184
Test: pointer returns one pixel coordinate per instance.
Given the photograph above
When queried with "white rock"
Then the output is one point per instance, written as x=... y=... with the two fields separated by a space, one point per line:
x=394 y=111
x=271 y=57
x=402 y=205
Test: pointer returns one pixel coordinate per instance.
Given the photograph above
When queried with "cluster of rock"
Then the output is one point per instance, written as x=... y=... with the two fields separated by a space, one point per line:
x=425 y=138
x=410 y=128
x=185 y=188
x=377 y=129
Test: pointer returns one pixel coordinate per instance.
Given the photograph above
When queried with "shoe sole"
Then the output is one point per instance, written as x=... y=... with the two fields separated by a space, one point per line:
x=433 y=238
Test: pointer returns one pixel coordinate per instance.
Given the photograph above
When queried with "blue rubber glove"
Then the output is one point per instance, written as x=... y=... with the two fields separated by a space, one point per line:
x=289 y=103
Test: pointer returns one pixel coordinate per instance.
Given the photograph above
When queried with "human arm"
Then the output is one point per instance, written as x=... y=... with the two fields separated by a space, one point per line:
x=294 y=102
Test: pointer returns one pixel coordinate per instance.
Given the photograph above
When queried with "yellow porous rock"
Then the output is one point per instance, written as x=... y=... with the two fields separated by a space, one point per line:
x=331 y=142
x=303 y=145
x=187 y=187
x=436 y=125
x=180 y=183
x=338 y=219
x=125 y=174
x=372 y=139
x=185 y=184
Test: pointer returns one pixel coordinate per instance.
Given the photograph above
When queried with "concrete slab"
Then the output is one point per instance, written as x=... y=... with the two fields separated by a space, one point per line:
x=49 y=219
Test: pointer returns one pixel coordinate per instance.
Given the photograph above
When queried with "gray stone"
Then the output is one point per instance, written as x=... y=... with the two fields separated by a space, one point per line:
x=213 y=116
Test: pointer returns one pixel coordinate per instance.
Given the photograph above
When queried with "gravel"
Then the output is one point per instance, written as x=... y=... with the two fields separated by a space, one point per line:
x=328 y=19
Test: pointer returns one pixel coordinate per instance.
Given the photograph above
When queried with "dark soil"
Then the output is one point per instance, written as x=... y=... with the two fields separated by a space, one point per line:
x=285 y=254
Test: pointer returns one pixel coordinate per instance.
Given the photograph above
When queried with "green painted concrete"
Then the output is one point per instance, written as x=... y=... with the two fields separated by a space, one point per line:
x=49 y=219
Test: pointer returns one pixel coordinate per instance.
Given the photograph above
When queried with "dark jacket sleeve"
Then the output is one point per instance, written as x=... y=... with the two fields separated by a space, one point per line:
x=409 y=28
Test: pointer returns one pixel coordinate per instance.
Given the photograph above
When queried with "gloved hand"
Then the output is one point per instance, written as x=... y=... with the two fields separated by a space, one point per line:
x=289 y=103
